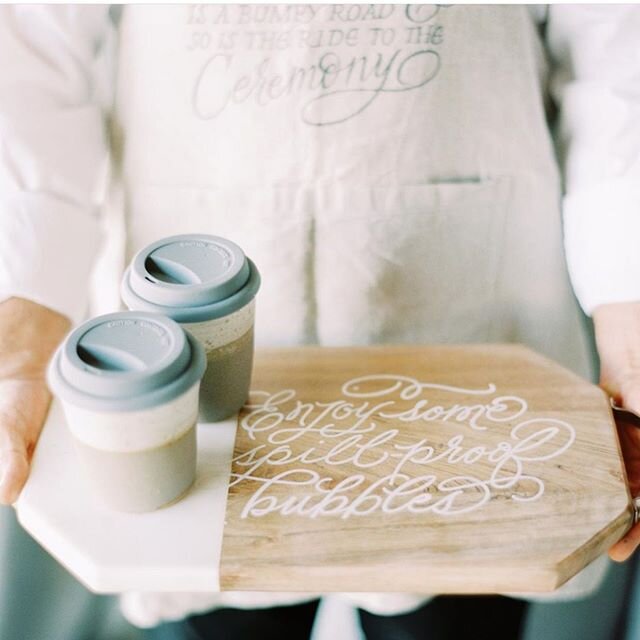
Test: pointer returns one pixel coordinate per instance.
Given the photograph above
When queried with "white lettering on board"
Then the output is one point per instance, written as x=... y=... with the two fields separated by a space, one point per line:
x=354 y=435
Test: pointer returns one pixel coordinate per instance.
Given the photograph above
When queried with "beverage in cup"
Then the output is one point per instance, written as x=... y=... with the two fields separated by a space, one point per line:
x=129 y=384
x=208 y=285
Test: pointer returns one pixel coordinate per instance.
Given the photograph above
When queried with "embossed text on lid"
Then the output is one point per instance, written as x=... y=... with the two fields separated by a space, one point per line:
x=190 y=278
x=126 y=360
x=189 y=270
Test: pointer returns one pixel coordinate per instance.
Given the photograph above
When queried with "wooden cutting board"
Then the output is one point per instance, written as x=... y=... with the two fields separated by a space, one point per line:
x=437 y=469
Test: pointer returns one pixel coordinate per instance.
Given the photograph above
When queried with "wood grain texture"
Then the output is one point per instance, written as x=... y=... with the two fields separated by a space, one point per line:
x=389 y=485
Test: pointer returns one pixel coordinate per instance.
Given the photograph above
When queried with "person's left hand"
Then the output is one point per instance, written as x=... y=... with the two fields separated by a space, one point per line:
x=618 y=340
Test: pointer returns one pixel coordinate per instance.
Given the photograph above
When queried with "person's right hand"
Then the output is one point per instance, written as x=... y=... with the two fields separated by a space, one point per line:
x=29 y=334
x=617 y=329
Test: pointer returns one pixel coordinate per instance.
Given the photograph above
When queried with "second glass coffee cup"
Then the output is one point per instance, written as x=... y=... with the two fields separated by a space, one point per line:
x=208 y=285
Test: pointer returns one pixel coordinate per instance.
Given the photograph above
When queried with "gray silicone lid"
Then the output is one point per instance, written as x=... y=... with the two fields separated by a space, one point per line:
x=126 y=361
x=190 y=278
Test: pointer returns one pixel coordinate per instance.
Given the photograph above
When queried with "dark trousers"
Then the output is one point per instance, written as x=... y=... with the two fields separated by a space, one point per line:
x=444 y=618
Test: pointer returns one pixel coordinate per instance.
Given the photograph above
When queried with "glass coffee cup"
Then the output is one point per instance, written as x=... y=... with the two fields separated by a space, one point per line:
x=208 y=285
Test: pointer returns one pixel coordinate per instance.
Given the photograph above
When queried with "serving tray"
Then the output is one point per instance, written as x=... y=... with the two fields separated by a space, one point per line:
x=433 y=469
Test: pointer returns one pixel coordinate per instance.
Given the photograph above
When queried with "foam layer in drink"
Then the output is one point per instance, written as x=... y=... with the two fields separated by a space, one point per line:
x=141 y=480
x=228 y=343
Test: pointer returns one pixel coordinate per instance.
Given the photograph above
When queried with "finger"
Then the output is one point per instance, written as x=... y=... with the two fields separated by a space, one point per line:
x=14 y=454
x=14 y=468
x=623 y=549
x=23 y=408
x=624 y=396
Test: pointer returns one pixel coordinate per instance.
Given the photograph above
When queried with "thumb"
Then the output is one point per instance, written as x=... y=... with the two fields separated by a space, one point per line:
x=23 y=409
x=623 y=549
x=626 y=392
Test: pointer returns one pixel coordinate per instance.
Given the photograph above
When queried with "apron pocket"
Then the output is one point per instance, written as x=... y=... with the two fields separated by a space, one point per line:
x=409 y=263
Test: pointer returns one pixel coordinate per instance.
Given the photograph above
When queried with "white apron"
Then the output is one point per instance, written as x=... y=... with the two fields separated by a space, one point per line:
x=388 y=168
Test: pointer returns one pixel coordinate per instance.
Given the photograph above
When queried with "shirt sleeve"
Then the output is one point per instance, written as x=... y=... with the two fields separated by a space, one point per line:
x=53 y=151
x=596 y=83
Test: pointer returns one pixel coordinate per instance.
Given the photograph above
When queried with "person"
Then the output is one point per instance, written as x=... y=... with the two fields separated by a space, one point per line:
x=389 y=167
